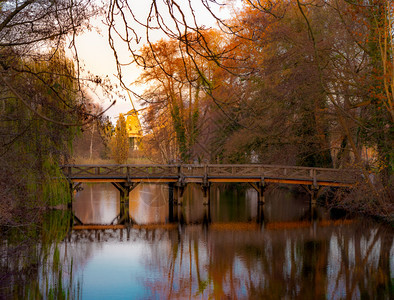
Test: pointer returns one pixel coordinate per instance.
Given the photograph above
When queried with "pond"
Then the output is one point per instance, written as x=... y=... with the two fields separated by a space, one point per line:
x=231 y=249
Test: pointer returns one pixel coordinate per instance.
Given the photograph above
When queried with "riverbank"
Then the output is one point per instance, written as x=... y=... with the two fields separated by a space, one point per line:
x=378 y=205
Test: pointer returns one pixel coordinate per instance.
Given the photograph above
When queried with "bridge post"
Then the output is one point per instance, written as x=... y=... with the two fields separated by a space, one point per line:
x=207 y=215
x=205 y=187
x=124 y=214
x=181 y=192
x=313 y=212
x=314 y=188
x=180 y=189
x=176 y=194
x=314 y=192
x=206 y=190
x=171 y=202
x=172 y=212
x=124 y=189
x=206 y=194
x=260 y=214
x=314 y=195
x=260 y=189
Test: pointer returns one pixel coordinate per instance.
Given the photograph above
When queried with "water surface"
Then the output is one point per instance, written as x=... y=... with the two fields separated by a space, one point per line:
x=232 y=249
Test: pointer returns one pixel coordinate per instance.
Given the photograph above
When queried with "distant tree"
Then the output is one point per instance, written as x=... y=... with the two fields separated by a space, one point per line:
x=120 y=141
x=177 y=89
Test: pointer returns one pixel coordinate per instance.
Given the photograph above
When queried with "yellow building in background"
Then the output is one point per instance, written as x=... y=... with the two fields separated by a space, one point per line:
x=134 y=129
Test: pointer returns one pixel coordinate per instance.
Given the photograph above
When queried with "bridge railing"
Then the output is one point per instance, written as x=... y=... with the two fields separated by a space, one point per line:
x=290 y=172
x=211 y=171
x=114 y=171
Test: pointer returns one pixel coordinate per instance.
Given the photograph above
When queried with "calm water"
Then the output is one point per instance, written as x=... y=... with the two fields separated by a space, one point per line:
x=234 y=250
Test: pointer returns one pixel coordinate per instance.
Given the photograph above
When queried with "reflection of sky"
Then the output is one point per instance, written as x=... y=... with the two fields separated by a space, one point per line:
x=97 y=203
x=153 y=264
x=115 y=272
x=193 y=262
x=149 y=203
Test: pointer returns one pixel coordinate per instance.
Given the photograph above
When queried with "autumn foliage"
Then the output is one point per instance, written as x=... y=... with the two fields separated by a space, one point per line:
x=306 y=83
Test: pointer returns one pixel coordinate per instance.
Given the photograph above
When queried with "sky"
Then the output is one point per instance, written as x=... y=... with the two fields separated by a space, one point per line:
x=96 y=55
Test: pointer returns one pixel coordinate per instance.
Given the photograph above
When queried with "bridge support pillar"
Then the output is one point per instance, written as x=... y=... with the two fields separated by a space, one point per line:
x=176 y=194
x=261 y=194
x=180 y=185
x=314 y=196
x=313 y=212
x=124 y=214
x=260 y=214
x=171 y=202
x=124 y=189
x=172 y=196
x=260 y=188
x=180 y=189
x=206 y=194
x=207 y=215
x=314 y=192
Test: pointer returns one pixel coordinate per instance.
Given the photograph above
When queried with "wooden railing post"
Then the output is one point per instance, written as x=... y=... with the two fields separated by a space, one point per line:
x=128 y=173
x=315 y=185
x=205 y=181
x=179 y=170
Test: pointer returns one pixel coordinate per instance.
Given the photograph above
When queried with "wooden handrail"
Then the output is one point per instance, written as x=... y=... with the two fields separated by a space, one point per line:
x=211 y=172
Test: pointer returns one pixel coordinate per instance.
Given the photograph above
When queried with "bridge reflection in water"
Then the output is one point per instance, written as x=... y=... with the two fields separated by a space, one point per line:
x=295 y=249
x=150 y=204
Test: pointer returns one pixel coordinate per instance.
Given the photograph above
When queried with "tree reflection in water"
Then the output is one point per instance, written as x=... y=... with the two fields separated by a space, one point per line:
x=331 y=262
x=295 y=253
x=34 y=263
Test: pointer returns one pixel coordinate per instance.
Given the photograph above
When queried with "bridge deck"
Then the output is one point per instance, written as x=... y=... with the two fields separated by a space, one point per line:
x=212 y=173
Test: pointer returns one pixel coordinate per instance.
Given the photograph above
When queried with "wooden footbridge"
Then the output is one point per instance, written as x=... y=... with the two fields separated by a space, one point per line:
x=126 y=177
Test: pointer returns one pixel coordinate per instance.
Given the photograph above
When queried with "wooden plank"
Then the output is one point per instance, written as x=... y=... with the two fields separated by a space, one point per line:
x=233 y=180
x=143 y=180
x=97 y=180
x=194 y=180
x=284 y=181
x=336 y=184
